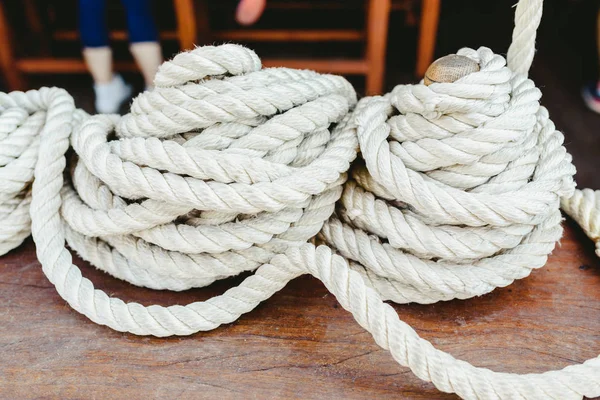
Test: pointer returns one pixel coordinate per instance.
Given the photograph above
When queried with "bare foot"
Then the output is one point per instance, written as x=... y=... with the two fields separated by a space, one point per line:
x=249 y=11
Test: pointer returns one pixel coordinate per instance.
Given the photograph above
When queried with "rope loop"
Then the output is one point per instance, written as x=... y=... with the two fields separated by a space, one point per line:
x=451 y=202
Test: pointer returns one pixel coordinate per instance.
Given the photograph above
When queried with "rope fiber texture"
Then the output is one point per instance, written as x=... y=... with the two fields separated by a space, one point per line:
x=227 y=167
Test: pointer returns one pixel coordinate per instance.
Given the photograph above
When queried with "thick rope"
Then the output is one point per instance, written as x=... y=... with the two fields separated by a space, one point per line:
x=522 y=48
x=584 y=208
x=457 y=193
x=202 y=180
x=227 y=168
x=461 y=186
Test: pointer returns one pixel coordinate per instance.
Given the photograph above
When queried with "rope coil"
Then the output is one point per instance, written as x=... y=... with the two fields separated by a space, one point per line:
x=202 y=180
x=471 y=201
x=227 y=167
x=458 y=193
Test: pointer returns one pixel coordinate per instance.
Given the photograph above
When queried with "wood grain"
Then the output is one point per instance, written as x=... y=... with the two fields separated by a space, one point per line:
x=377 y=23
x=428 y=29
x=298 y=344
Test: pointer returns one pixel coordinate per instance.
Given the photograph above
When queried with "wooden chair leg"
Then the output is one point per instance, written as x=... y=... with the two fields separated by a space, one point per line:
x=12 y=76
x=377 y=31
x=36 y=26
x=430 y=14
x=186 y=23
x=203 y=33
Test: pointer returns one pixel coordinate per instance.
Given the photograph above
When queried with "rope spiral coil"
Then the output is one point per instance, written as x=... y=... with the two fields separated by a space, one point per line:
x=457 y=193
x=460 y=188
x=227 y=167
x=584 y=207
x=227 y=172
x=212 y=174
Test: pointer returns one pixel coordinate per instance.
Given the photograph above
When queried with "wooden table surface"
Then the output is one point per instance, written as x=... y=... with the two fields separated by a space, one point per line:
x=298 y=344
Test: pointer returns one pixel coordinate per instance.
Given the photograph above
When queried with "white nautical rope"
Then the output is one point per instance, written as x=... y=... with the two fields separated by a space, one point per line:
x=457 y=193
x=584 y=208
x=473 y=172
x=202 y=180
x=227 y=168
x=528 y=16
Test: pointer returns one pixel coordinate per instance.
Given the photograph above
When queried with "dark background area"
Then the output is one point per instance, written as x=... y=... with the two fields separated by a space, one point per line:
x=566 y=58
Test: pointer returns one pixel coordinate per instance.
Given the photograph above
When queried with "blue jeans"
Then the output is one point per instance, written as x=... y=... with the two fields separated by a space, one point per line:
x=92 y=22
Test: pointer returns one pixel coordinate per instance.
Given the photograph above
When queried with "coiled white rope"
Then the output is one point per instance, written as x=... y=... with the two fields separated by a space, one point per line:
x=584 y=207
x=461 y=188
x=458 y=194
x=221 y=167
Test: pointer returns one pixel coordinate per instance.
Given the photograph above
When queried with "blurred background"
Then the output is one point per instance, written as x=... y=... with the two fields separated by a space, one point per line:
x=375 y=43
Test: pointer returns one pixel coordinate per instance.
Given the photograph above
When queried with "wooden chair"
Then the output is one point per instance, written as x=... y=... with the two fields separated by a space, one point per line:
x=430 y=15
x=14 y=69
x=372 y=64
x=374 y=36
x=193 y=24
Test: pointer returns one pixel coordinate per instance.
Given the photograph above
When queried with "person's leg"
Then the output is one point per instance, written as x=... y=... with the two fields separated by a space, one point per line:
x=110 y=89
x=249 y=11
x=143 y=37
x=148 y=56
x=94 y=36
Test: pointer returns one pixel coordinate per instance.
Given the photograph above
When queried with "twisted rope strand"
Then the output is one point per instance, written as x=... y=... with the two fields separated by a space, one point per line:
x=522 y=48
x=584 y=208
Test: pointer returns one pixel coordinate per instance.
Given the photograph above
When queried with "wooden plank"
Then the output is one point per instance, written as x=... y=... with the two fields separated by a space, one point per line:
x=12 y=76
x=77 y=65
x=298 y=344
x=279 y=35
x=117 y=35
x=63 y=66
x=430 y=14
x=186 y=23
x=336 y=66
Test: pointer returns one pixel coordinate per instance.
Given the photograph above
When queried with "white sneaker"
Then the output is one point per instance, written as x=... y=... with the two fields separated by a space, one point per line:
x=110 y=96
